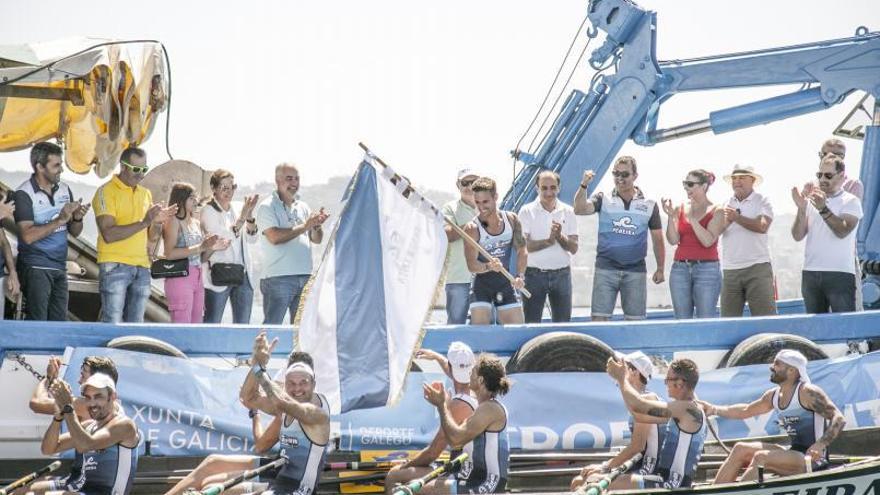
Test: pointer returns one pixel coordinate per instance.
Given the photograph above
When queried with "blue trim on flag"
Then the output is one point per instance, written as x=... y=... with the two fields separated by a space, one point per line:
x=360 y=298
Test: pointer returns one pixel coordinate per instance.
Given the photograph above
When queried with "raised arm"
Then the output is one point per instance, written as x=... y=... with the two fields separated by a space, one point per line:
x=582 y=204
x=458 y=435
x=741 y=411
x=799 y=227
x=671 y=221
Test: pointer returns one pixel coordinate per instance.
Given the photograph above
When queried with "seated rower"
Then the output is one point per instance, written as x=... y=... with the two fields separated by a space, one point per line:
x=486 y=471
x=458 y=363
x=803 y=410
x=648 y=432
x=106 y=445
x=685 y=430
x=217 y=468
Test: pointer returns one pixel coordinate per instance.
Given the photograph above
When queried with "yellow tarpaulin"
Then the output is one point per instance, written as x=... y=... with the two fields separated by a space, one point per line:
x=96 y=97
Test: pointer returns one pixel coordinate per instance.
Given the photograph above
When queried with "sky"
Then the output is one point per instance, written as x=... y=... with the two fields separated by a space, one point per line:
x=435 y=86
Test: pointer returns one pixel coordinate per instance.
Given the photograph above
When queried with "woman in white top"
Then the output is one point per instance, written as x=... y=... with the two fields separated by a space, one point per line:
x=218 y=217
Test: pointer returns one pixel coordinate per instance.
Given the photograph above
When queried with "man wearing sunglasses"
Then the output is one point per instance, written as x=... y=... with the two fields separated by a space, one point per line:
x=124 y=212
x=827 y=216
x=625 y=219
x=458 y=277
x=45 y=212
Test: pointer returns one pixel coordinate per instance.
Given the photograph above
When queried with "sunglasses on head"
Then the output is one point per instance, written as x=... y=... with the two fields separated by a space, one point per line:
x=622 y=175
x=827 y=175
x=689 y=183
x=134 y=169
x=466 y=182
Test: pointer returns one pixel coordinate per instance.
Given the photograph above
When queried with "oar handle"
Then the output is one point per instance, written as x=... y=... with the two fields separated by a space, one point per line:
x=458 y=230
x=416 y=485
x=27 y=480
x=604 y=483
x=253 y=473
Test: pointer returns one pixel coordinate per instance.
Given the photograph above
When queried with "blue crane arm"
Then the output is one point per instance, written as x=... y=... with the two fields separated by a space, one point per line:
x=593 y=125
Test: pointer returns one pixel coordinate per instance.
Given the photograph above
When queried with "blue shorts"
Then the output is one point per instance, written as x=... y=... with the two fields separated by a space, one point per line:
x=492 y=289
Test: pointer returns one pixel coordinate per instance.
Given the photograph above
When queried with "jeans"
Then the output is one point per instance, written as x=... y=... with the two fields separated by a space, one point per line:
x=828 y=292
x=281 y=295
x=457 y=302
x=186 y=296
x=124 y=292
x=554 y=285
x=695 y=288
x=242 y=301
x=45 y=293
x=633 y=290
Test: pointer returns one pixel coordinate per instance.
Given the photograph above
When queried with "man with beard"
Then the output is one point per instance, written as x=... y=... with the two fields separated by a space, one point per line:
x=626 y=219
x=288 y=228
x=499 y=232
x=106 y=445
x=827 y=217
x=803 y=411
x=45 y=213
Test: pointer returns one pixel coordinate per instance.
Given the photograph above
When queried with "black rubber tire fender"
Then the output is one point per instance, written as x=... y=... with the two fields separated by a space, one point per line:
x=560 y=351
x=149 y=345
x=762 y=348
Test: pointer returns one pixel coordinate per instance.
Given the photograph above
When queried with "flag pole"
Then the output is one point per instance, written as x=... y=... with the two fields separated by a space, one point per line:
x=458 y=230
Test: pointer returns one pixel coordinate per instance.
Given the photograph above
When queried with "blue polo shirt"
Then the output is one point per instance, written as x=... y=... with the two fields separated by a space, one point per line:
x=623 y=231
x=33 y=204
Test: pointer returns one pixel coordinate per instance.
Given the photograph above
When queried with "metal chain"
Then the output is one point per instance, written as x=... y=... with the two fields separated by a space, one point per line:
x=27 y=366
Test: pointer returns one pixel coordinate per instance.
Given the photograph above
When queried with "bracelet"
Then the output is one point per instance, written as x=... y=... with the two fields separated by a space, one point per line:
x=252 y=413
x=584 y=186
x=824 y=210
x=251 y=220
x=257 y=369
x=57 y=420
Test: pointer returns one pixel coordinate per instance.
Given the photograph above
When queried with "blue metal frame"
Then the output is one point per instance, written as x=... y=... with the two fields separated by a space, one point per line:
x=592 y=126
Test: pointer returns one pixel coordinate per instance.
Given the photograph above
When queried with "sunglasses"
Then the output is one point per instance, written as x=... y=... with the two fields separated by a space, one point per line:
x=229 y=188
x=689 y=183
x=134 y=169
x=622 y=175
x=467 y=182
x=827 y=175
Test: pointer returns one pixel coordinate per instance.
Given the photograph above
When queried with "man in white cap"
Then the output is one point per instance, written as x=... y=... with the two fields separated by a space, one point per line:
x=803 y=410
x=745 y=254
x=458 y=277
x=458 y=364
x=648 y=432
x=106 y=445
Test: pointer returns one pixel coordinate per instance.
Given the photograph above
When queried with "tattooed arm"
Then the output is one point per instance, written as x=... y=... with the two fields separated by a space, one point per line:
x=815 y=399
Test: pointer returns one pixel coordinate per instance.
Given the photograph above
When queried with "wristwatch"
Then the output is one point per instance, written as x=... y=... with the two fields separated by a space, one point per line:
x=253 y=412
x=67 y=409
x=257 y=369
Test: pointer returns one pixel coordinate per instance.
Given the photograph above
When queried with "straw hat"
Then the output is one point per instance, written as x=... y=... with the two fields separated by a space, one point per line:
x=739 y=170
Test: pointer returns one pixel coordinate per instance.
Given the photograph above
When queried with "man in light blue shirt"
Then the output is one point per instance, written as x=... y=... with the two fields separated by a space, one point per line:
x=288 y=227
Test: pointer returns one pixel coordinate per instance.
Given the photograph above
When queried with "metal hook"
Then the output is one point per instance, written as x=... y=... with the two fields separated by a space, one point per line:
x=862 y=31
x=593 y=31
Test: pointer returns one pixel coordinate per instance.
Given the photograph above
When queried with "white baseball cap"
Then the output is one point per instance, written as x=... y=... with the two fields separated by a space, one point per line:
x=794 y=358
x=467 y=172
x=641 y=362
x=461 y=361
x=98 y=380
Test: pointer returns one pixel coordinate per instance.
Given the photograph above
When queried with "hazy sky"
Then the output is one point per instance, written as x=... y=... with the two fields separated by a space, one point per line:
x=431 y=86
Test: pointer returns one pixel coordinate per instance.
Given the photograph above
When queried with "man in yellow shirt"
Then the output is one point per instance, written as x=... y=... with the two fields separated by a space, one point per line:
x=124 y=212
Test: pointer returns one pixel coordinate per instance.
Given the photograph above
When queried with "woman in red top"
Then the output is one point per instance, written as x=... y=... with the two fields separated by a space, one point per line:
x=695 y=279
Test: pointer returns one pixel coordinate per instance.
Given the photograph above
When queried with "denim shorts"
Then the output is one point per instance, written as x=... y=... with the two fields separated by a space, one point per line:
x=631 y=286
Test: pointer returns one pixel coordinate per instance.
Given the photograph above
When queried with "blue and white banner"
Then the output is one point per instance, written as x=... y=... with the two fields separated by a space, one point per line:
x=186 y=408
x=363 y=315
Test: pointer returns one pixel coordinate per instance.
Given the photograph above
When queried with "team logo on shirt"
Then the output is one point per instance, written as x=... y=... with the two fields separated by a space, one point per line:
x=89 y=464
x=789 y=424
x=623 y=226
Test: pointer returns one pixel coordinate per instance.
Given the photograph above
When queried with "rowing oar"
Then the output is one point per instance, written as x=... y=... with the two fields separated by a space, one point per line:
x=461 y=233
x=253 y=473
x=604 y=483
x=359 y=466
x=27 y=480
x=416 y=485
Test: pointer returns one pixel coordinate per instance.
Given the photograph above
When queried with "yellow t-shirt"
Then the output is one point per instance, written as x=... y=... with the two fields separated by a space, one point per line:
x=128 y=206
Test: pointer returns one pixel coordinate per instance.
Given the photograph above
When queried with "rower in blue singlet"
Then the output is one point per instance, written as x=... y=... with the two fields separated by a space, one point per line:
x=803 y=411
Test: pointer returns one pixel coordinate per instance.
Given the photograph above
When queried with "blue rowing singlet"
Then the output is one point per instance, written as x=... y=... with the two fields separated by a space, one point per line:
x=656 y=435
x=802 y=425
x=305 y=458
x=681 y=453
x=108 y=471
x=491 y=456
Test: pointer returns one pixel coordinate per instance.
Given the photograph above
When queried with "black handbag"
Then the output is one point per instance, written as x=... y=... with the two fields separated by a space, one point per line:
x=163 y=268
x=225 y=274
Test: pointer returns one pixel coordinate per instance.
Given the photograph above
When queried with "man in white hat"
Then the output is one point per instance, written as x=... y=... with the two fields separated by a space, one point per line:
x=648 y=432
x=803 y=410
x=458 y=364
x=745 y=254
x=458 y=277
x=106 y=444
